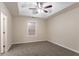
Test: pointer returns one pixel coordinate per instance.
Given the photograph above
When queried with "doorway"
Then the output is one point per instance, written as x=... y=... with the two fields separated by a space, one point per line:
x=3 y=32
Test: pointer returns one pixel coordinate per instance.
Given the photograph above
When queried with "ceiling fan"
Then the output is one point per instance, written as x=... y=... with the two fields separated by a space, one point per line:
x=39 y=6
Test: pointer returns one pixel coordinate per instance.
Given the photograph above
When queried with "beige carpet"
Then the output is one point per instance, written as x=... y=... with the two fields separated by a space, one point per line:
x=39 y=49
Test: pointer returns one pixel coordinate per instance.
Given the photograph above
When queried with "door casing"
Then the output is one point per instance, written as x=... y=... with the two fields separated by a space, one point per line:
x=3 y=20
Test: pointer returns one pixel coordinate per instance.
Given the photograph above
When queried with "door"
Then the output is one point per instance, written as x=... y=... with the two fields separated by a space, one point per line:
x=3 y=31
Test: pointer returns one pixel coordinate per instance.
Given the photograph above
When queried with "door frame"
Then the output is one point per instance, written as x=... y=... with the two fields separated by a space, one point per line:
x=3 y=15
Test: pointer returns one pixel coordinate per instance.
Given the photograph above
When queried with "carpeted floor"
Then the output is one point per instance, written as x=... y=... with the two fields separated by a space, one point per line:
x=39 y=49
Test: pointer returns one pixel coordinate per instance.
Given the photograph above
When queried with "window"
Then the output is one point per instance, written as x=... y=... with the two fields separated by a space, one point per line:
x=31 y=28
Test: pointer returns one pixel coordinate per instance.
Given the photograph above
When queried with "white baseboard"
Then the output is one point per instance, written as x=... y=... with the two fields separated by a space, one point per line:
x=76 y=51
x=27 y=42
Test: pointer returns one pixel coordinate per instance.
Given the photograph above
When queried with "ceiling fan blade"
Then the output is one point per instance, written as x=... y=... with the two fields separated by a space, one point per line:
x=45 y=11
x=39 y=4
x=49 y=6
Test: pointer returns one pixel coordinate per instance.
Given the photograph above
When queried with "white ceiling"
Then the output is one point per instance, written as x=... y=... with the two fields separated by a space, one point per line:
x=16 y=9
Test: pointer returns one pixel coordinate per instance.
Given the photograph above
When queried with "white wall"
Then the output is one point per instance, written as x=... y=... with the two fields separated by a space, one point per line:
x=64 y=29
x=20 y=30
x=9 y=37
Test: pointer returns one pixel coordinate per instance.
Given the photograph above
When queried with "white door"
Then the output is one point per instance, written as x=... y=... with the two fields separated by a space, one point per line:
x=3 y=32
